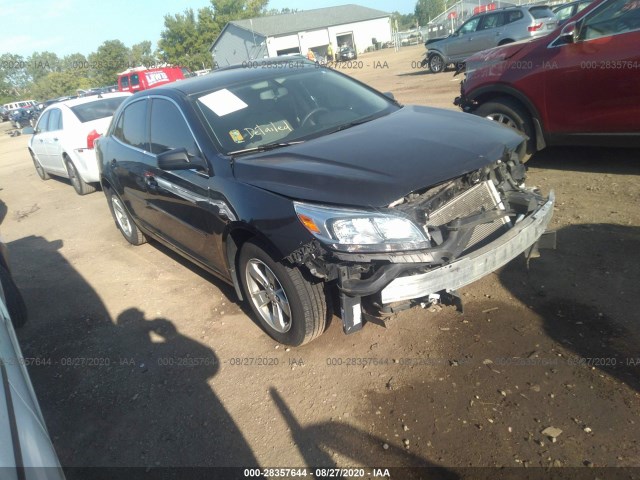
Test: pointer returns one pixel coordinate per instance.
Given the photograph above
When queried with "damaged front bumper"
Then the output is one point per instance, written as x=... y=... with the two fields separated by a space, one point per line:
x=399 y=285
x=477 y=264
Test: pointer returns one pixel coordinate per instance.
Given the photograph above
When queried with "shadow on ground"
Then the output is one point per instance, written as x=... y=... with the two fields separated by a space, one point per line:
x=622 y=161
x=126 y=392
x=588 y=294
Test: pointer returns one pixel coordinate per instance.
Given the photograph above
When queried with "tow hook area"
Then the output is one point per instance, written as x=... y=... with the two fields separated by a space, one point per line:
x=547 y=241
x=354 y=313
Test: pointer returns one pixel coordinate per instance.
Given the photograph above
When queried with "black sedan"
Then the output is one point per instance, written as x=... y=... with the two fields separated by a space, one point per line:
x=346 y=53
x=297 y=185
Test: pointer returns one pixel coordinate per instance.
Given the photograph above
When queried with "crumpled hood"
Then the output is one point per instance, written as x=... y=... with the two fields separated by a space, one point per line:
x=376 y=163
x=433 y=40
x=495 y=56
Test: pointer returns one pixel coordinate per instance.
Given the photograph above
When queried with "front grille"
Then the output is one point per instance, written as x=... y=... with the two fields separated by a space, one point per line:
x=480 y=198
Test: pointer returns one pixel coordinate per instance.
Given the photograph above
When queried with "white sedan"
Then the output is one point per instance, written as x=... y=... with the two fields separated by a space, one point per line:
x=62 y=141
x=26 y=450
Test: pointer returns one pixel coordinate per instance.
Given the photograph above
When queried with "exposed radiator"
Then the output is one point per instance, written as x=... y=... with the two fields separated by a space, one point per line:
x=477 y=199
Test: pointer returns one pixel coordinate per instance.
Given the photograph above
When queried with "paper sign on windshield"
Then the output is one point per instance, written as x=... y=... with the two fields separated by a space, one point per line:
x=222 y=102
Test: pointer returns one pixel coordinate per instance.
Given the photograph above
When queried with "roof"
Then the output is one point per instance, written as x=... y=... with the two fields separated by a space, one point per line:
x=232 y=75
x=282 y=24
x=91 y=98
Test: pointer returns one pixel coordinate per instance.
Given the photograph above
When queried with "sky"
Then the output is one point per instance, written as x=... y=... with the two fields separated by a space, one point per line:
x=81 y=26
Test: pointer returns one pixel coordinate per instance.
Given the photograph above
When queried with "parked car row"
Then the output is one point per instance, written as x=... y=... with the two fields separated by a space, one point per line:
x=577 y=86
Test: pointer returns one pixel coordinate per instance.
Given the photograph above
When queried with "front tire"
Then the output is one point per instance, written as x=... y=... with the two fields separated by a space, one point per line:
x=124 y=221
x=511 y=114
x=79 y=185
x=42 y=173
x=292 y=309
x=436 y=63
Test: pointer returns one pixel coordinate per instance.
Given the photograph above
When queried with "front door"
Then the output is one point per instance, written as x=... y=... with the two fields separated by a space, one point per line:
x=180 y=198
x=593 y=82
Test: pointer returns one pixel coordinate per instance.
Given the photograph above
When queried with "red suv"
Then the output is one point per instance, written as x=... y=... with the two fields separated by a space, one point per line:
x=580 y=85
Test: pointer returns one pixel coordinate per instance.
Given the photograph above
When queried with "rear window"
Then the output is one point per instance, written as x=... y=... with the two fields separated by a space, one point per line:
x=101 y=108
x=541 y=12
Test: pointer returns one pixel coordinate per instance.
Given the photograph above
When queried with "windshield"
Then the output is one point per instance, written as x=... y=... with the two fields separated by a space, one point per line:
x=290 y=106
x=102 y=108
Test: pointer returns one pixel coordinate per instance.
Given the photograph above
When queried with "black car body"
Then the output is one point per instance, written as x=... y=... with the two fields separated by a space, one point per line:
x=346 y=53
x=290 y=182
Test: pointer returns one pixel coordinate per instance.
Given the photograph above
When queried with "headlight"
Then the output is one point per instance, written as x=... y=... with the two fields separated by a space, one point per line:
x=360 y=231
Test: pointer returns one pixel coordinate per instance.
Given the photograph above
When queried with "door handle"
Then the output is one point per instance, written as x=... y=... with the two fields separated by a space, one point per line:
x=113 y=163
x=151 y=183
x=55 y=139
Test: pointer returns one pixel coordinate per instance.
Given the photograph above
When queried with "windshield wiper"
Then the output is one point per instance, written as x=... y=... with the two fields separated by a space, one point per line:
x=264 y=148
x=355 y=123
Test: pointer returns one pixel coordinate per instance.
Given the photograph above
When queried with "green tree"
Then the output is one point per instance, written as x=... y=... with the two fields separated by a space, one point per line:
x=141 y=54
x=404 y=22
x=427 y=10
x=40 y=64
x=111 y=58
x=14 y=79
x=185 y=39
x=57 y=84
x=74 y=61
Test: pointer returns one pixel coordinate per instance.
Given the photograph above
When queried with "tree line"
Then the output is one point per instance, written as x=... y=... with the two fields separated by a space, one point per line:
x=184 y=41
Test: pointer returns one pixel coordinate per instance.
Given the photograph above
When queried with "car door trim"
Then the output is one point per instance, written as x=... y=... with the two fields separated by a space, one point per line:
x=195 y=198
x=13 y=426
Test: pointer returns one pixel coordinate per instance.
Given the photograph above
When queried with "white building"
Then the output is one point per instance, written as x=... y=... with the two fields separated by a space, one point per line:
x=291 y=33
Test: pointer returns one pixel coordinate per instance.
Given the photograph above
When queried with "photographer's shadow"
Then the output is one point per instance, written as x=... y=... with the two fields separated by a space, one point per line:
x=164 y=412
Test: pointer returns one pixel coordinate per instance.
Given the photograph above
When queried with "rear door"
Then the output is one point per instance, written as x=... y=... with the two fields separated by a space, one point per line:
x=129 y=159
x=592 y=84
x=53 y=141
x=489 y=31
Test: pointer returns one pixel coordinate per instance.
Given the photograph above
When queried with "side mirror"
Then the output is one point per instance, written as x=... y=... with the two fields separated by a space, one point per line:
x=179 y=159
x=389 y=95
x=569 y=32
x=28 y=131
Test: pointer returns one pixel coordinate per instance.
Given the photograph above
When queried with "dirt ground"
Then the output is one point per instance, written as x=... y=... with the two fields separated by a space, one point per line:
x=140 y=359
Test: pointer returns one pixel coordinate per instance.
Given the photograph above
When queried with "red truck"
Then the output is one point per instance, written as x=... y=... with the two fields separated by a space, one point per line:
x=141 y=78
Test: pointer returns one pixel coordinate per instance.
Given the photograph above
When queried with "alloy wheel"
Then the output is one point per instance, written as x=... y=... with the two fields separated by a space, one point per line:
x=505 y=120
x=122 y=216
x=268 y=295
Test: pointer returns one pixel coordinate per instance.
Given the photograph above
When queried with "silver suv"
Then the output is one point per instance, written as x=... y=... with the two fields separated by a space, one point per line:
x=488 y=30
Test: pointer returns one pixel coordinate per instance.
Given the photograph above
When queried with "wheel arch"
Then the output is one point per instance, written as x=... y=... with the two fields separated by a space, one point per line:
x=233 y=240
x=484 y=95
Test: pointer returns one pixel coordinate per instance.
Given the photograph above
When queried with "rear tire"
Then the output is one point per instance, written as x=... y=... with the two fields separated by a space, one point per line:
x=436 y=63
x=512 y=114
x=15 y=303
x=292 y=309
x=79 y=185
x=123 y=220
